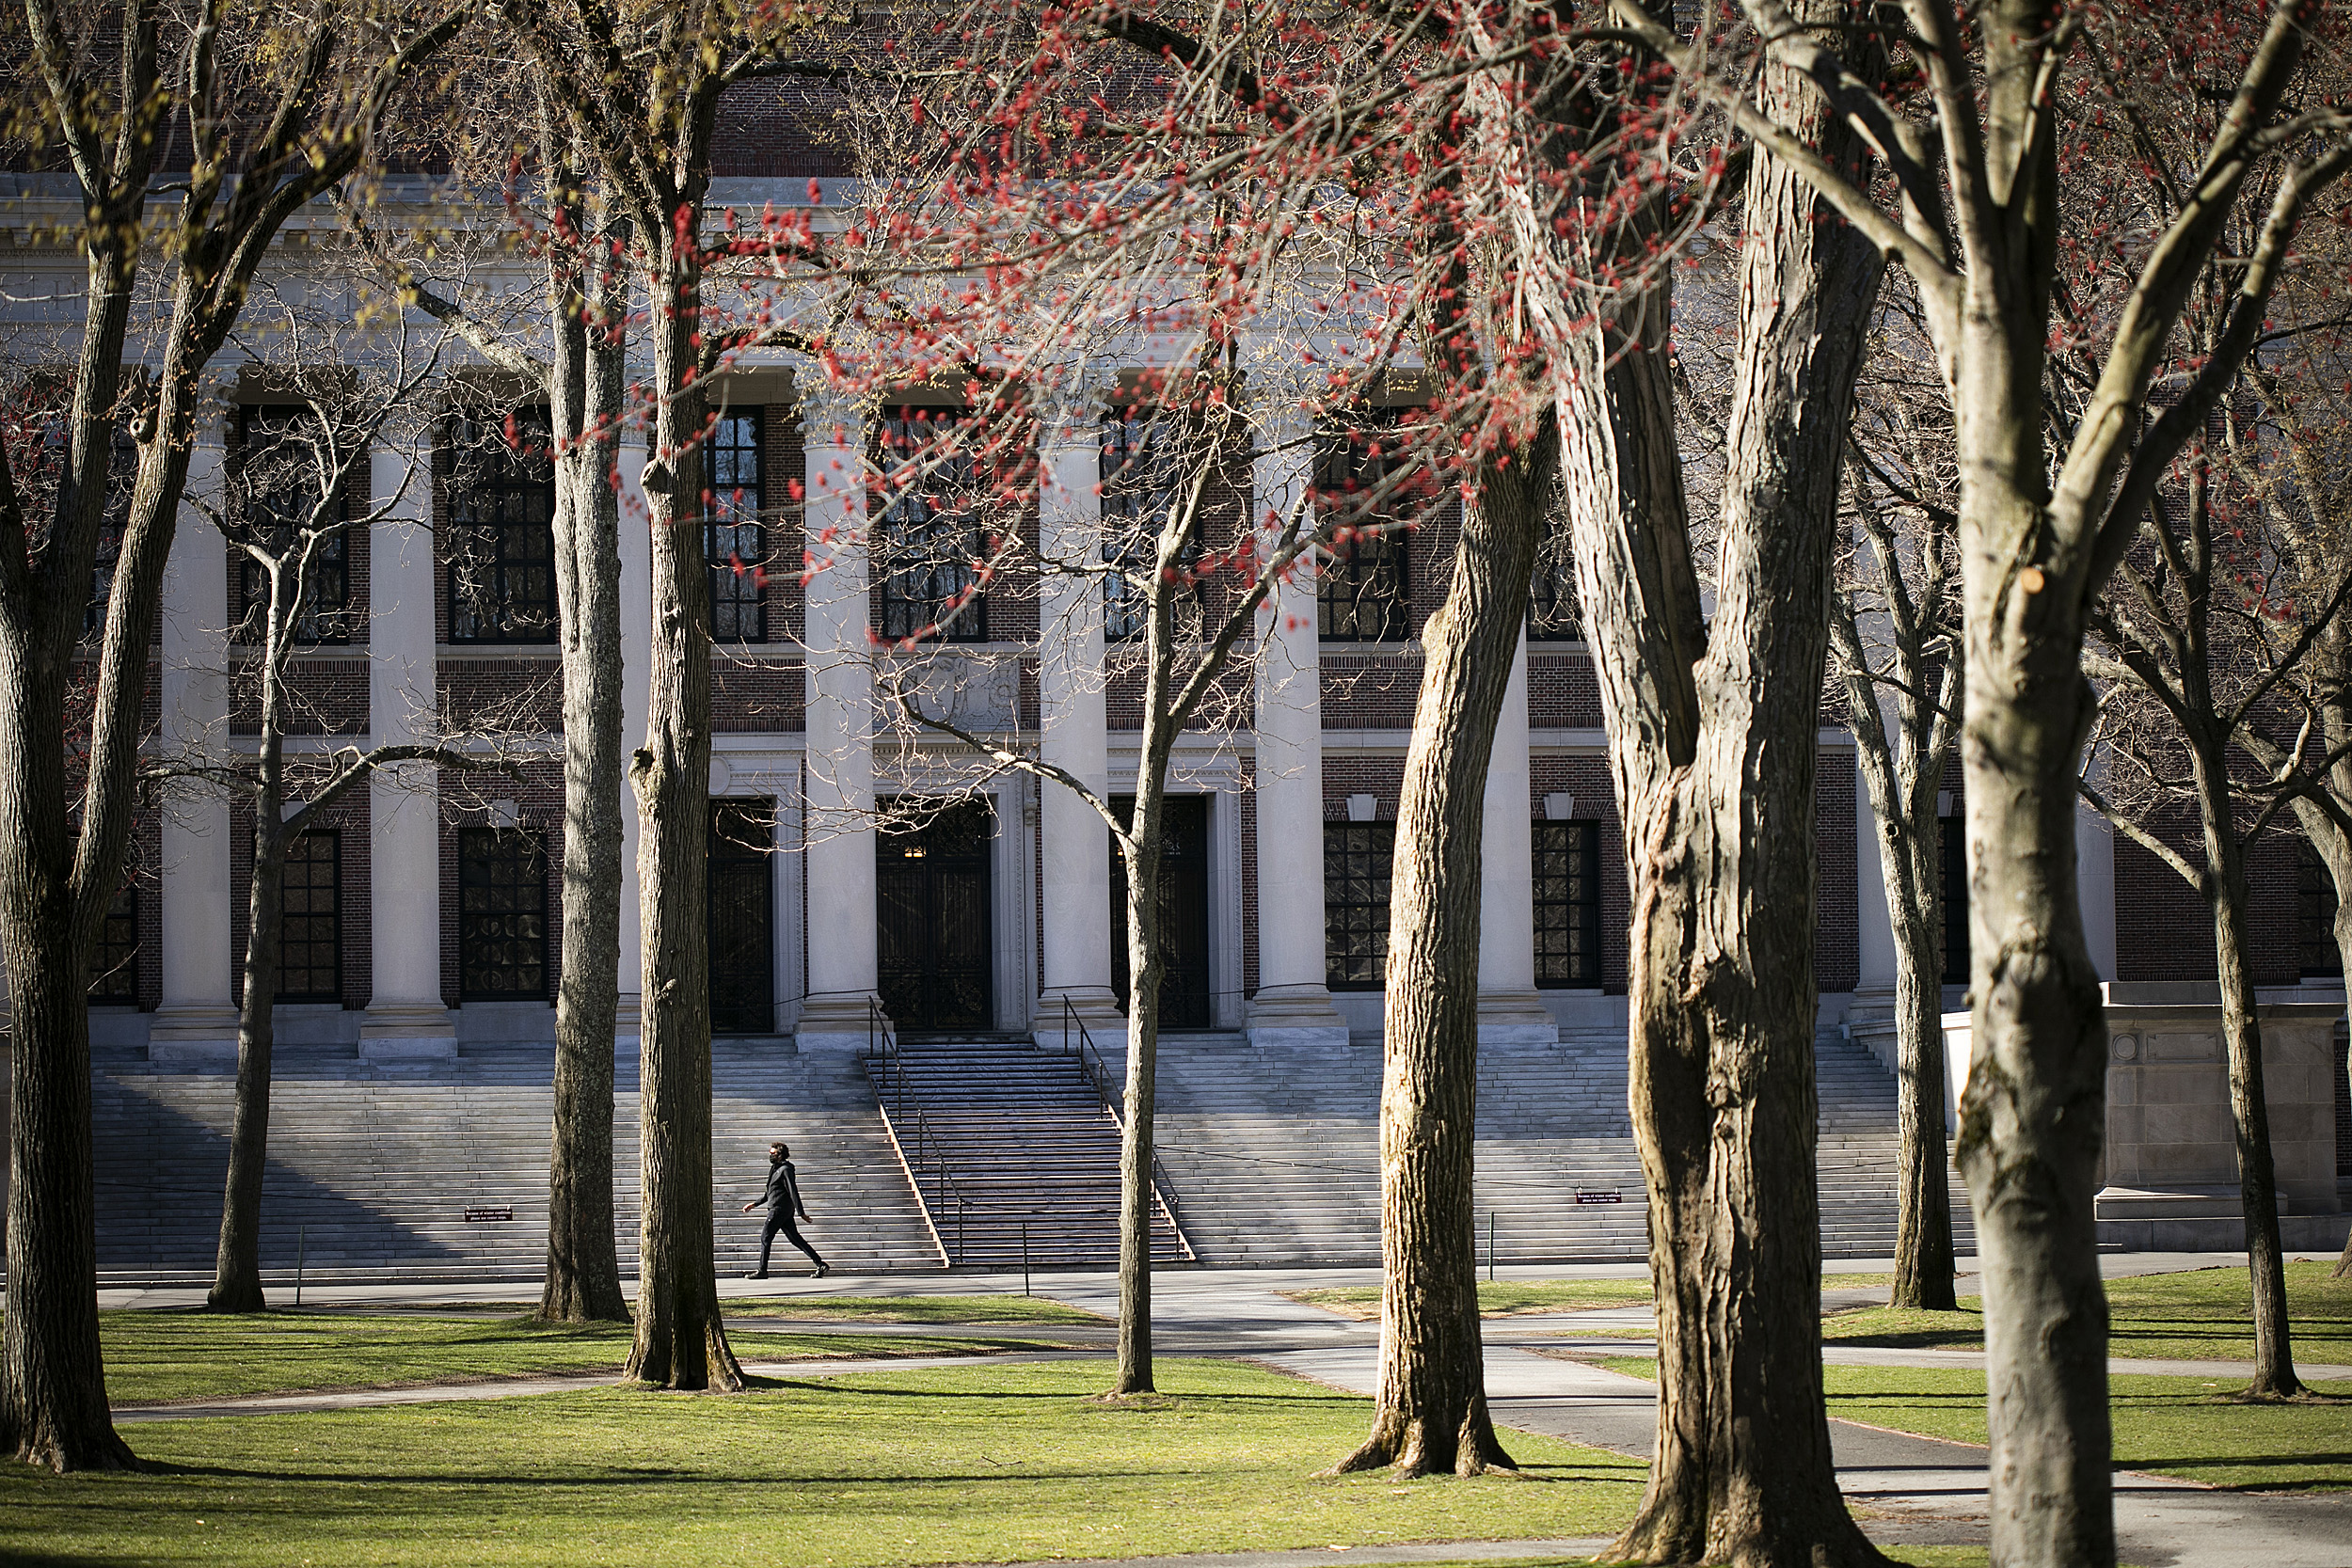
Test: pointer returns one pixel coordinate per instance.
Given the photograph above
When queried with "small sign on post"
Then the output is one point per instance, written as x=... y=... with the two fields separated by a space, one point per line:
x=487 y=1212
x=1598 y=1195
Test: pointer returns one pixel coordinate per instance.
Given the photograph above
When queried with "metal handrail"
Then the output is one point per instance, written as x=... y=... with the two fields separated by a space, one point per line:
x=1098 y=1072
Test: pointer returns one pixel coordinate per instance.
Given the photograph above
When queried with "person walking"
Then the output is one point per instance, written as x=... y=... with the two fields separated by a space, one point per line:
x=782 y=1200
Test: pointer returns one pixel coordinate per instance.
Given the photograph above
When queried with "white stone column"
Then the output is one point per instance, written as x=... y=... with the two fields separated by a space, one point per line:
x=406 y=1015
x=1074 y=854
x=636 y=551
x=1293 y=1005
x=198 y=1015
x=1511 y=1010
x=837 y=777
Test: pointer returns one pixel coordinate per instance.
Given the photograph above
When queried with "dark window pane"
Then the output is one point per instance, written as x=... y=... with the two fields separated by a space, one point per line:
x=1568 y=904
x=1145 y=478
x=1552 y=612
x=1355 y=860
x=502 y=914
x=279 y=466
x=2315 y=911
x=309 y=913
x=1363 y=478
x=931 y=532
x=502 y=511
x=114 y=975
x=1955 y=877
x=734 y=540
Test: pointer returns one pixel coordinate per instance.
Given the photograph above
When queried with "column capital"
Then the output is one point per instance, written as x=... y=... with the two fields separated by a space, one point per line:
x=1074 y=411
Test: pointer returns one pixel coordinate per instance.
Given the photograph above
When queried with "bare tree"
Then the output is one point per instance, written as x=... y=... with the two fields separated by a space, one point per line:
x=575 y=358
x=274 y=114
x=1894 y=624
x=289 y=517
x=1976 y=177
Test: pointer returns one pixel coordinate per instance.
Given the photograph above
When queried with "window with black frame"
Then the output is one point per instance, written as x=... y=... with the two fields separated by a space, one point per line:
x=502 y=914
x=501 y=517
x=278 y=471
x=1953 y=871
x=1362 y=591
x=1144 y=478
x=114 y=975
x=1356 y=858
x=309 y=919
x=1553 y=614
x=931 y=532
x=123 y=472
x=1568 y=904
x=734 y=540
x=2316 y=912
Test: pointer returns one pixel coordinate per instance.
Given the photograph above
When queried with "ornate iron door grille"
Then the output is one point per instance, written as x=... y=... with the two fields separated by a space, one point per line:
x=935 y=948
x=1184 y=912
x=742 y=912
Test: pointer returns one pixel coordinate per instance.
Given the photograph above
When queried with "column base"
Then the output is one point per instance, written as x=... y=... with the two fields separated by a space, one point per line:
x=841 y=1021
x=1508 y=1018
x=629 y=1017
x=1095 y=1006
x=192 y=1031
x=1288 y=1016
x=395 y=1031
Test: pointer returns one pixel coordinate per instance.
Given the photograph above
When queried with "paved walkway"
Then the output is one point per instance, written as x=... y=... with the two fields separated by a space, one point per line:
x=1923 y=1489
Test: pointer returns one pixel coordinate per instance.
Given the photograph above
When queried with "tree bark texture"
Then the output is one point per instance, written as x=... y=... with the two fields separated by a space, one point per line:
x=2250 y=1107
x=1145 y=965
x=584 y=1270
x=1712 y=741
x=1900 y=775
x=1430 y=1413
x=2033 y=1117
x=681 y=1341
x=237 y=1263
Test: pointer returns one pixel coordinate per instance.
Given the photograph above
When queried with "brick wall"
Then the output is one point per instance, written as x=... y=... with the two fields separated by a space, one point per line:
x=1562 y=691
x=324 y=695
x=1837 y=932
x=2164 y=930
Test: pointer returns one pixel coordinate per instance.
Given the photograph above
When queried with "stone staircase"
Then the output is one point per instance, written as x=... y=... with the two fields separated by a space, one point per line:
x=1274 y=1156
x=373 y=1164
x=1013 y=1153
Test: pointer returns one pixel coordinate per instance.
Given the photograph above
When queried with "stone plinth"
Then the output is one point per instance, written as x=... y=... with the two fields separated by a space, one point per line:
x=2170 y=1175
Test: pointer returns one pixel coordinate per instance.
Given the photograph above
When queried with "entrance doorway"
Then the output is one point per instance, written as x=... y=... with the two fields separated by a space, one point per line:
x=934 y=950
x=742 y=910
x=1183 y=910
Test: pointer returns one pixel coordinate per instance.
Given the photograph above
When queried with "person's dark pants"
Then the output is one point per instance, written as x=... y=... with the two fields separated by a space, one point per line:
x=780 y=1220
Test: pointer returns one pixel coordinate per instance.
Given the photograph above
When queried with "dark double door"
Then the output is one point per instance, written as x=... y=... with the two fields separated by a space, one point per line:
x=740 y=883
x=934 y=951
x=1183 y=910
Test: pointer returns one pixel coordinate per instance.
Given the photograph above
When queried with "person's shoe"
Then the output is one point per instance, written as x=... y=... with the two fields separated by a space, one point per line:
x=762 y=1275
x=823 y=1269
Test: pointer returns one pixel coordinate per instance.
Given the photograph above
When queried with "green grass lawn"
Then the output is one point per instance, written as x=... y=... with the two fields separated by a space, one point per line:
x=1508 y=1298
x=2203 y=1315
x=2174 y=1426
x=990 y=1310
x=984 y=1462
x=188 y=1355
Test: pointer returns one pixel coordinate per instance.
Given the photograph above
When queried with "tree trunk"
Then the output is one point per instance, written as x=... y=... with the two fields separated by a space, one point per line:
x=584 y=1270
x=52 y=1384
x=1431 y=1413
x=237 y=1266
x=1923 y=1235
x=1146 y=964
x=681 y=1341
x=1714 y=759
x=2250 y=1107
x=2033 y=1117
